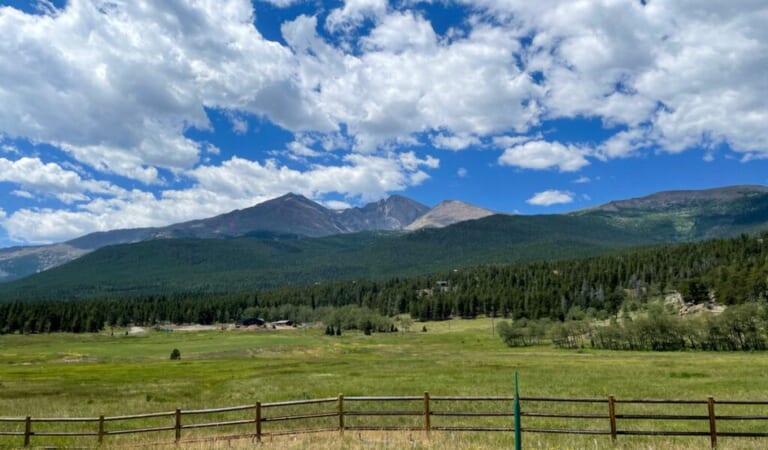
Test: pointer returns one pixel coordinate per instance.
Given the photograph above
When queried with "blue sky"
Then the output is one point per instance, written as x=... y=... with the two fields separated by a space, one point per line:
x=119 y=115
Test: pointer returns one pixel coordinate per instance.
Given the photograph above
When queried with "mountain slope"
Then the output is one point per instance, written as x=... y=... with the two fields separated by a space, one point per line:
x=676 y=216
x=214 y=265
x=447 y=213
x=290 y=214
x=18 y=262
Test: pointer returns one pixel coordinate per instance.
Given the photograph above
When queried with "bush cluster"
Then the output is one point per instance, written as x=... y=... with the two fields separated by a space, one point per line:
x=738 y=328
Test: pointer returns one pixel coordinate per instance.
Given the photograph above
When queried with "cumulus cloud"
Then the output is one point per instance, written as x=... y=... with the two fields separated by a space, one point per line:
x=692 y=71
x=625 y=143
x=544 y=155
x=455 y=142
x=353 y=13
x=408 y=82
x=550 y=197
x=50 y=179
x=670 y=76
x=73 y=82
x=684 y=70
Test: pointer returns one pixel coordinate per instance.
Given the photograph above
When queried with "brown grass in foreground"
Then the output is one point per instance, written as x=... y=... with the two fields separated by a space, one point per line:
x=451 y=441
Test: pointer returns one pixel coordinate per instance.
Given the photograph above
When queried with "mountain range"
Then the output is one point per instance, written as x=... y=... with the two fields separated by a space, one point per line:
x=291 y=240
x=290 y=215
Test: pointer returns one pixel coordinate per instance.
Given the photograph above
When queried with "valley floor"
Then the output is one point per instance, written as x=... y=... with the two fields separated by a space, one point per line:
x=64 y=375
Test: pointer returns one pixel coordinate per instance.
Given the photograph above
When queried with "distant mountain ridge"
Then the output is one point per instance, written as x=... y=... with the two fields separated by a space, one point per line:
x=290 y=214
x=674 y=216
x=671 y=216
x=670 y=199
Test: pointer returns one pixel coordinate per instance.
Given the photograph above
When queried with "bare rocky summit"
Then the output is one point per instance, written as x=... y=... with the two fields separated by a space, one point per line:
x=393 y=213
x=447 y=213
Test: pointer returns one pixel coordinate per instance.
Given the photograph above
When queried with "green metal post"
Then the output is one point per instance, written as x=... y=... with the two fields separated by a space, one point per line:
x=518 y=425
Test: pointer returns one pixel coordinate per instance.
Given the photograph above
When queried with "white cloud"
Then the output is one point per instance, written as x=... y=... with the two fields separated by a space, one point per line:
x=550 y=197
x=455 y=142
x=408 y=82
x=337 y=204
x=582 y=180
x=671 y=76
x=389 y=35
x=282 y=3
x=50 y=179
x=353 y=13
x=10 y=149
x=689 y=72
x=73 y=82
x=462 y=172
x=239 y=124
x=22 y=194
x=693 y=71
x=544 y=155
x=301 y=149
x=211 y=149
x=625 y=144
x=510 y=141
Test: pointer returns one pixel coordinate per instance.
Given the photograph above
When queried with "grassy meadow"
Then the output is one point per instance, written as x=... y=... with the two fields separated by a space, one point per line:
x=66 y=375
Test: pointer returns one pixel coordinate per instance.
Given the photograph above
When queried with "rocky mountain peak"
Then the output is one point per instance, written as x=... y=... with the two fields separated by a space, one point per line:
x=447 y=213
x=393 y=213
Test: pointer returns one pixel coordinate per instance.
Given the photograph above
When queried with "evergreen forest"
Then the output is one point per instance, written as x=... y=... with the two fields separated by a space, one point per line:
x=730 y=271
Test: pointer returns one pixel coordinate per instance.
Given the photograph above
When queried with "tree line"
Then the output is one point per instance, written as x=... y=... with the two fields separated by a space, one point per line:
x=733 y=271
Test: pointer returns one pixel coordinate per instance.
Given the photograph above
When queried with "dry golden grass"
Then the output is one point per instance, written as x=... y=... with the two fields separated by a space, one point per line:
x=451 y=441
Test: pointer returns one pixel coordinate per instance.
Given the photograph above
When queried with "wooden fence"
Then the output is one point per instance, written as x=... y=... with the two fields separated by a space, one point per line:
x=613 y=417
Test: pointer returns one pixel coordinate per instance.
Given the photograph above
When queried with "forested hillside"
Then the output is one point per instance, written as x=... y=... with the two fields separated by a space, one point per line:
x=733 y=271
x=172 y=266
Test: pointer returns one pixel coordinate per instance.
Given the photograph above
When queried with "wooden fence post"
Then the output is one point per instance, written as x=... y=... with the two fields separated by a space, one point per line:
x=427 y=421
x=712 y=425
x=27 y=430
x=340 y=406
x=101 y=430
x=258 y=421
x=612 y=415
x=178 y=425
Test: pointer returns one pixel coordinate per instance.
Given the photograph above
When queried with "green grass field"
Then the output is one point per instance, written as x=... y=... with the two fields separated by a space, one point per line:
x=63 y=375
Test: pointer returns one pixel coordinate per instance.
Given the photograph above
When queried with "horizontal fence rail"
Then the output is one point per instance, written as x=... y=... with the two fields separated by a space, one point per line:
x=609 y=416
